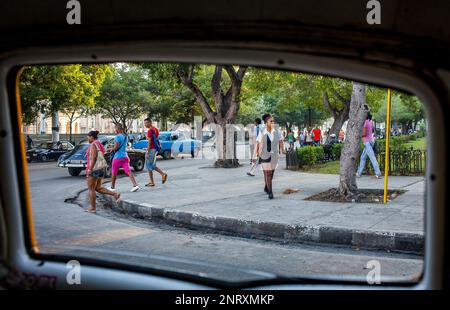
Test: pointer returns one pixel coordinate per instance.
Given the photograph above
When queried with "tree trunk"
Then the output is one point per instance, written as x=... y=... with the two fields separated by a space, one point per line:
x=351 y=150
x=55 y=127
x=225 y=147
x=226 y=109
x=70 y=130
x=339 y=116
x=337 y=126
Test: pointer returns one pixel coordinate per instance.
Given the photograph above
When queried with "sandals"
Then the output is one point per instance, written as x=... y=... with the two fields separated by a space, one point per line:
x=90 y=211
x=164 y=178
x=118 y=198
x=150 y=184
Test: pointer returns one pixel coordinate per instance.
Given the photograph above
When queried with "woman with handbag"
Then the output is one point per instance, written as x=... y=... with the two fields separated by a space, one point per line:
x=269 y=145
x=95 y=171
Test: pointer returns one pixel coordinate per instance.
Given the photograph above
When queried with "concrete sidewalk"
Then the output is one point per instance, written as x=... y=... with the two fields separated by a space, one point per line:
x=228 y=201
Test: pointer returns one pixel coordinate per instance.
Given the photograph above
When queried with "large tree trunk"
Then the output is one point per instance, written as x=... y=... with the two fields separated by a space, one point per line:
x=225 y=147
x=339 y=116
x=351 y=150
x=226 y=109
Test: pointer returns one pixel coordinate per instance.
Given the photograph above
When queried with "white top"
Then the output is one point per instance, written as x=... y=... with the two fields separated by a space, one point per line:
x=270 y=134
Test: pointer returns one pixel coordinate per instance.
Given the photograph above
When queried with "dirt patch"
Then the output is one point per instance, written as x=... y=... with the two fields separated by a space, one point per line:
x=289 y=191
x=363 y=196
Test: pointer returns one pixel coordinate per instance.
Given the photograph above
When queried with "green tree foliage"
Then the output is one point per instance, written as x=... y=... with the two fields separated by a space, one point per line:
x=406 y=110
x=124 y=95
x=65 y=88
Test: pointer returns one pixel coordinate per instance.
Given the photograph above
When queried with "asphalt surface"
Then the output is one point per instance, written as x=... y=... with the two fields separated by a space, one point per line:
x=64 y=228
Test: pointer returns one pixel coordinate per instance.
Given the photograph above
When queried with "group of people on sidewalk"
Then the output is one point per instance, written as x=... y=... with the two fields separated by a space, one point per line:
x=96 y=162
x=266 y=143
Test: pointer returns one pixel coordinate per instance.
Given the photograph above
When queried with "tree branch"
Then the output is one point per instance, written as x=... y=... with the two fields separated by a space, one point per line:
x=234 y=92
x=186 y=79
x=326 y=103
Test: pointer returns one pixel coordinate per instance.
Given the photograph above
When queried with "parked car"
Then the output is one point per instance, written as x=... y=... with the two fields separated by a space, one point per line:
x=173 y=143
x=75 y=161
x=48 y=150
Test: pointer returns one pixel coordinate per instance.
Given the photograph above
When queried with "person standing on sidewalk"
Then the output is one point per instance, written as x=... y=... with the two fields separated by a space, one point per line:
x=152 y=149
x=95 y=171
x=369 y=142
x=291 y=139
x=29 y=142
x=308 y=136
x=253 y=156
x=317 y=133
x=269 y=145
x=120 y=159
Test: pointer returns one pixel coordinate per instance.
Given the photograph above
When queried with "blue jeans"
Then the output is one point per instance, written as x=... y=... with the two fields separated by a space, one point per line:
x=368 y=151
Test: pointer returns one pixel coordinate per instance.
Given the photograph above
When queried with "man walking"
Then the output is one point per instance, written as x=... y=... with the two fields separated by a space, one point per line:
x=152 y=149
x=368 y=148
x=120 y=158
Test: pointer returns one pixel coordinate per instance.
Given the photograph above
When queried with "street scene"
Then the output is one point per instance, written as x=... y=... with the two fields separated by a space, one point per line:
x=231 y=173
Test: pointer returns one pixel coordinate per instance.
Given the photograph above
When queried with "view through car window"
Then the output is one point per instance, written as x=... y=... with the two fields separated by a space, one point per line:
x=226 y=173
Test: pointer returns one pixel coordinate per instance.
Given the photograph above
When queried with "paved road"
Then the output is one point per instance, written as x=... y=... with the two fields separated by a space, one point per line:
x=65 y=228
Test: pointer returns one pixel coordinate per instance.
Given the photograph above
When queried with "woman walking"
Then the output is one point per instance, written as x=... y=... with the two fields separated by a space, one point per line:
x=95 y=171
x=269 y=145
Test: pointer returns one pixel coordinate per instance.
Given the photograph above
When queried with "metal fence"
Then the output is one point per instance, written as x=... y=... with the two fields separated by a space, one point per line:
x=401 y=162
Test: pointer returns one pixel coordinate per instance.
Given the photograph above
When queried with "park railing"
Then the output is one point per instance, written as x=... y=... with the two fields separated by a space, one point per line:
x=402 y=162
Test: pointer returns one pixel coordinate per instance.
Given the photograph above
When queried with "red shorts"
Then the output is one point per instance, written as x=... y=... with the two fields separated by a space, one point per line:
x=123 y=162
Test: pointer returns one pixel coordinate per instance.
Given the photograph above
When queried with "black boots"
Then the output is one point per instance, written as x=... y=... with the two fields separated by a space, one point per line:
x=270 y=193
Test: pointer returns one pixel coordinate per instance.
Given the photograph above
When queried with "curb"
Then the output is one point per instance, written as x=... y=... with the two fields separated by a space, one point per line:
x=375 y=240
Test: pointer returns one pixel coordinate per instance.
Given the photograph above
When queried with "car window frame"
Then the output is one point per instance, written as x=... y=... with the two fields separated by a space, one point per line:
x=366 y=72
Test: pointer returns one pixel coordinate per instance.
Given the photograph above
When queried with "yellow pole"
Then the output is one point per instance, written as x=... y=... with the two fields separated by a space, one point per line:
x=388 y=135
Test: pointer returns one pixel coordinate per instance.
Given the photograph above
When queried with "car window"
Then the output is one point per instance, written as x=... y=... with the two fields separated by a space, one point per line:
x=305 y=176
x=164 y=137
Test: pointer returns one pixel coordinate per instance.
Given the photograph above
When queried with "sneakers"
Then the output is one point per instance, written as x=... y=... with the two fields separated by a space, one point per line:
x=250 y=174
x=377 y=176
x=111 y=189
x=357 y=175
x=134 y=188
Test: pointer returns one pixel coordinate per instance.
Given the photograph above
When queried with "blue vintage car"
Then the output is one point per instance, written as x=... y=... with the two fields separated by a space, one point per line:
x=173 y=143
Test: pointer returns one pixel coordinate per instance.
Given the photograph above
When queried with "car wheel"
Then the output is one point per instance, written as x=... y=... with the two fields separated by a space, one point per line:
x=44 y=158
x=166 y=155
x=74 y=171
x=139 y=165
x=108 y=172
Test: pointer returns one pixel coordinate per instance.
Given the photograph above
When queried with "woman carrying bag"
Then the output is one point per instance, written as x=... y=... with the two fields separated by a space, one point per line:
x=269 y=146
x=96 y=170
